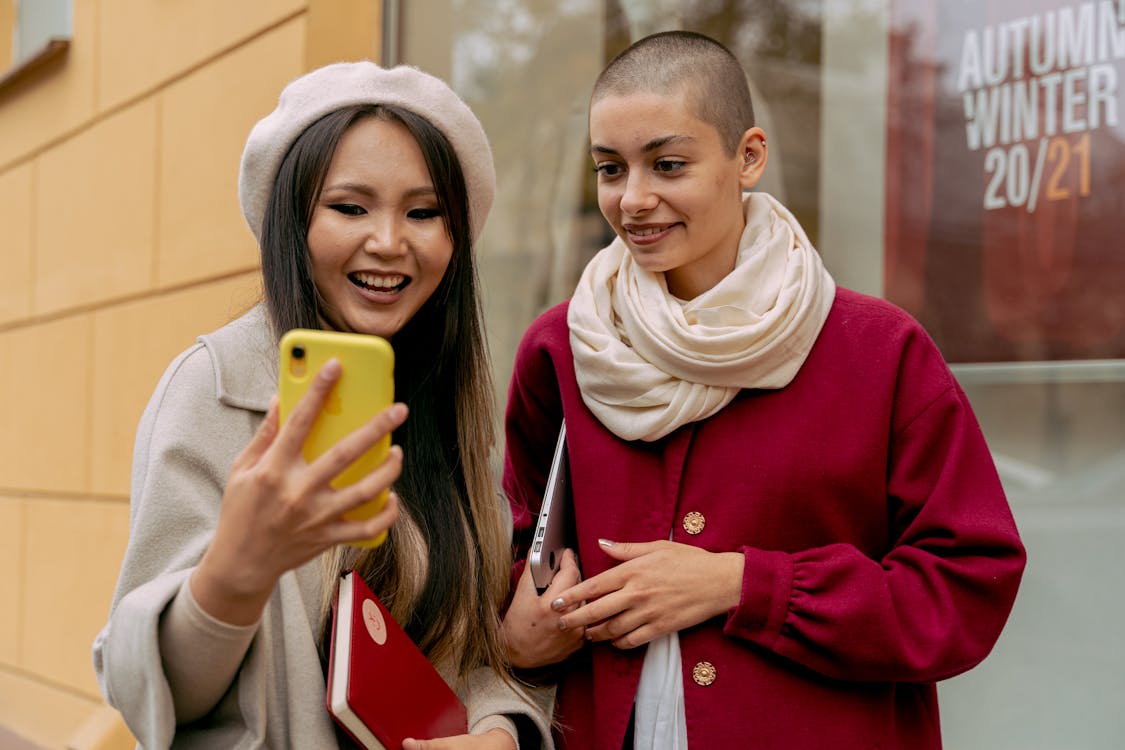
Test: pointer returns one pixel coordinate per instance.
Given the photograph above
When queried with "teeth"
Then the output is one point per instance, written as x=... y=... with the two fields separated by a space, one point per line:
x=379 y=282
x=646 y=232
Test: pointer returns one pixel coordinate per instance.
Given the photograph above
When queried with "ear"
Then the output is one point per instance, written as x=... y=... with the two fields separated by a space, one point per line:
x=752 y=156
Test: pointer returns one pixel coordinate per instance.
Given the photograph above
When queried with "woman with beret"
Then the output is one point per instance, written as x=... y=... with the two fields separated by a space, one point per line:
x=365 y=189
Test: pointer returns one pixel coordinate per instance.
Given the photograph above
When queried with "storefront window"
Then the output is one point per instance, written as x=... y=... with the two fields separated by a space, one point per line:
x=38 y=24
x=965 y=160
x=33 y=35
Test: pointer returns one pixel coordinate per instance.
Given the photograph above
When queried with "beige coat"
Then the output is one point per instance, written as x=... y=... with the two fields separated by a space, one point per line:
x=204 y=411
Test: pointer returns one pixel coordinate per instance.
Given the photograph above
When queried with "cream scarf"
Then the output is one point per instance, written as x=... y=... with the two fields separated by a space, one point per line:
x=648 y=363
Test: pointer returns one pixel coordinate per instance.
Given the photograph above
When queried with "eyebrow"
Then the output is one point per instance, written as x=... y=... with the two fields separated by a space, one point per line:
x=359 y=187
x=652 y=145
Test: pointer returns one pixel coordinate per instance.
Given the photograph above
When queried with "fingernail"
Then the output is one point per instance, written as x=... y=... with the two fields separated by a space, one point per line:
x=562 y=624
x=558 y=604
x=398 y=411
x=606 y=544
x=331 y=367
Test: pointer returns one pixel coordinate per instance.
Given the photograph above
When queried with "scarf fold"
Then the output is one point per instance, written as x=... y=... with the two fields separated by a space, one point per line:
x=648 y=363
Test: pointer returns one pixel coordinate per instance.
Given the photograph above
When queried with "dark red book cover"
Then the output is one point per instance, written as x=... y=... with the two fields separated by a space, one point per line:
x=380 y=685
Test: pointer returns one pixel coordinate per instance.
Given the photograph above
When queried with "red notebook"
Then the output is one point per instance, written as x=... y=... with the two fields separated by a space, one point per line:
x=380 y=686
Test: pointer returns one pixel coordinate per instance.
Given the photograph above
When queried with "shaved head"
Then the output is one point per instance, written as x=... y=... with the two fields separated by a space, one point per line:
x=674 y=62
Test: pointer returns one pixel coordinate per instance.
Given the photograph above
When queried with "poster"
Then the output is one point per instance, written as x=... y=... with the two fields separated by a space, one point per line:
x=1005 y=184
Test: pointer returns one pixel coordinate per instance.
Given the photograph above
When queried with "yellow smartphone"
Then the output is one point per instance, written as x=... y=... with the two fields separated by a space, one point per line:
x=366 y=387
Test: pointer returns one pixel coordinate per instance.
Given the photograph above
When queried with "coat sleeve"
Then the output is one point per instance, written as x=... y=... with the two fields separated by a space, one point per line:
x=180 y=466
x=531 y=427
x=524 y=710
x=934 y=604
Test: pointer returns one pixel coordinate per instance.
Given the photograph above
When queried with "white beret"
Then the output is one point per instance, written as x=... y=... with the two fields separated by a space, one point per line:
x=327 y=89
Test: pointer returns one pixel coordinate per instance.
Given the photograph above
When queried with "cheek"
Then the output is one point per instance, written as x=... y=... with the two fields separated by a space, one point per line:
x=441 y=261
x=435 y=250
x=608 y=201
x=325 y=256
x=323 y=239
x=331 y=240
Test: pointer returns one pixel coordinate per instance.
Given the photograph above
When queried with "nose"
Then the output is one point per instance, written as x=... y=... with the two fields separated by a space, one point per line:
x=638 y=195
x=385 y=237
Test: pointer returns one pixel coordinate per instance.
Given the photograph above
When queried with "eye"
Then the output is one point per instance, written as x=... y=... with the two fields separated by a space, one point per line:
x=608 y=169
x=424 y=213
x=669 y=165
x=348 y=209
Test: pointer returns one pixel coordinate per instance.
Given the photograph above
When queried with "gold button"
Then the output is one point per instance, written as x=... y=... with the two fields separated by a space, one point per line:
x=694 y=522
x=704 y=673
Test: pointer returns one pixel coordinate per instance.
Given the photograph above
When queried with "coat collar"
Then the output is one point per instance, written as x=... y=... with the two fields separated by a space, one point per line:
x=244 y=353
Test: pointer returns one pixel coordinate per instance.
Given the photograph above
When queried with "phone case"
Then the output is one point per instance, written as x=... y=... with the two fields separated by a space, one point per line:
x=365 y=387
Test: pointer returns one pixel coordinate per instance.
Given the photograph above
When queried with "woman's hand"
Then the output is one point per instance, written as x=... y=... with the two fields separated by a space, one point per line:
x=659 y=588
x=280 y=511
x=494 y=739
x=531 y=628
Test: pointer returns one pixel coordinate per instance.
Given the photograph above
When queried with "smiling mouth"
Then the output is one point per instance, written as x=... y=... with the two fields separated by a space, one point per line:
x=379 y=283
x=644 y=234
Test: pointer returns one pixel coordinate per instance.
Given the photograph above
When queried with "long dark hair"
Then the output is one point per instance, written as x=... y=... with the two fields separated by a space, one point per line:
x=447 y=599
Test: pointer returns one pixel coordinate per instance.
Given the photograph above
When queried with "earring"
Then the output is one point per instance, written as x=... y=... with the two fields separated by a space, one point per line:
x=750 y=154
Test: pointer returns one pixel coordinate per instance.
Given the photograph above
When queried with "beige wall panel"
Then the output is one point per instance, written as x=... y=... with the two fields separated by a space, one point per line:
x=15 y=250
x=7 y=23
x=133 y=344
x=44 y=397
x=56 y=100
x=10 y=381
x=74 y=551
x=45 y=715
x=343 y=30
x=104 y=729
x=94 y=213
x=205 y=119
x=146 y=43
x=11 y=579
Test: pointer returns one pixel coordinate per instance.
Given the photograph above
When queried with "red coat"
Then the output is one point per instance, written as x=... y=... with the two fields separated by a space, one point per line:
x=881 y=555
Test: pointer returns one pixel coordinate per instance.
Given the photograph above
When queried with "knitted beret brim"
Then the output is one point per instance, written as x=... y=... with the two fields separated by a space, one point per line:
x=327 y=89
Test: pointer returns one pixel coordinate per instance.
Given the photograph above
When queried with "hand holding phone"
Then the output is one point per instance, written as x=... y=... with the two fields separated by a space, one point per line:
x=365 y=387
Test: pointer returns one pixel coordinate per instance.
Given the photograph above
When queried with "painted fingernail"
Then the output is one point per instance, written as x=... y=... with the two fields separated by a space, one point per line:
x=558 y=604
x=606 y=544
x=562 y=624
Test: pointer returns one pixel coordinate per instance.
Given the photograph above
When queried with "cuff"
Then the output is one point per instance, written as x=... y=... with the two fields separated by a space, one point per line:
x=188 y=611
x=497 y=721
x=767 y=584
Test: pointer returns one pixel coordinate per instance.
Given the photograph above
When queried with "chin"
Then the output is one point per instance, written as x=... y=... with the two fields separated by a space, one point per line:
x=383 y=327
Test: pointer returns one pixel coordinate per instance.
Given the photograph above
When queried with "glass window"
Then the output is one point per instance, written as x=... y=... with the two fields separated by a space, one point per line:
x=962 y=159
x=38 y=22
x=31 y=33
